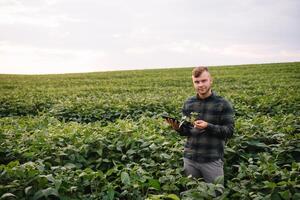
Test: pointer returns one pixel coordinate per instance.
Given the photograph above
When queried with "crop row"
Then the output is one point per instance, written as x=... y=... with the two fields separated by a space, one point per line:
x=136 y=159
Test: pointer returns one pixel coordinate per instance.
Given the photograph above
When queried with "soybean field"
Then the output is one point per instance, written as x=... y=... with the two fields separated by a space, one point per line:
x=100 y=135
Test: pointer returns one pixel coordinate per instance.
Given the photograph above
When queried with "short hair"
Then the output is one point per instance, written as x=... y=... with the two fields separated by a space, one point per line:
x=197 y=71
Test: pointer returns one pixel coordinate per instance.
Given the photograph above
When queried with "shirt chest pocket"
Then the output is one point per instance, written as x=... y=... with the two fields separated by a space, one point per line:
x=197 y=110
x=214 y=114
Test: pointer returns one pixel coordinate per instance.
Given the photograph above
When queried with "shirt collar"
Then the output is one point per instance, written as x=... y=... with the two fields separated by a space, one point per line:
x=213 y=94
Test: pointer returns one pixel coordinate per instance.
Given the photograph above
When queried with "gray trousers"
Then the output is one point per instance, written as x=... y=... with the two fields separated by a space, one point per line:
x=208 y=171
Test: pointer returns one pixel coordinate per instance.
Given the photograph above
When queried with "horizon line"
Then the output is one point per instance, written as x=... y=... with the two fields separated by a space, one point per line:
x=148 y=68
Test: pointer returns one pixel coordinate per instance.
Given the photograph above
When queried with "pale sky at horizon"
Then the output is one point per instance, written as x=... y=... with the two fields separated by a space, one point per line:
x=66 y=36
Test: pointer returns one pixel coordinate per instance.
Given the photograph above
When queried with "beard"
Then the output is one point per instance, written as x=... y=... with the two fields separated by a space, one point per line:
x=204 y=91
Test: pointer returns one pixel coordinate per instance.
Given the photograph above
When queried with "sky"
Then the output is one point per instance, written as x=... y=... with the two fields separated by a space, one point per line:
x=69 y=36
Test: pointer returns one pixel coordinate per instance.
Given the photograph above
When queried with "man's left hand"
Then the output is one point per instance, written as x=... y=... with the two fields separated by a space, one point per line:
x=200 y=124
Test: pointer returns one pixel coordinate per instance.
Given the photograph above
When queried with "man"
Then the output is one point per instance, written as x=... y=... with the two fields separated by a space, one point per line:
x=214 y=124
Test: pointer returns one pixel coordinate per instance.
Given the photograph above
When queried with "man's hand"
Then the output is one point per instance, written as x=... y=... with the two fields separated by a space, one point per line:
x=200 y=124
x=174 y=124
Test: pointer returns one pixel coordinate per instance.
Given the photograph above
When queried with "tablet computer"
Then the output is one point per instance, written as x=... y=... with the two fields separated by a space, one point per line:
x=170 y=118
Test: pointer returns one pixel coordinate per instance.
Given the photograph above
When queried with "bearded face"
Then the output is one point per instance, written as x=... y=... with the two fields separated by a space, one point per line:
x=202 y=84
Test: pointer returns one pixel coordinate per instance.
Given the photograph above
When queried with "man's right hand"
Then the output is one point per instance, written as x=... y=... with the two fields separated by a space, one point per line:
x=174 y=124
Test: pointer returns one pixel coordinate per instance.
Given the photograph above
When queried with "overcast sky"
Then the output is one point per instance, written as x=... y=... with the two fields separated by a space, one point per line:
x=59 y=36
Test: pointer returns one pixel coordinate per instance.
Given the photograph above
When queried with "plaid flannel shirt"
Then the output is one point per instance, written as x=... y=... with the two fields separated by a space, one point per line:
x=207 y=145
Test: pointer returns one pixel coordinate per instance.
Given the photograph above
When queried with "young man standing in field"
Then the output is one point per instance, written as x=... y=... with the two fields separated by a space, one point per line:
x=213 y=125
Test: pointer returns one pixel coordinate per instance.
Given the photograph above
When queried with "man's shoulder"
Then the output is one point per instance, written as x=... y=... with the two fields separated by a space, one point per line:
x=222 y=101
x=219 y=98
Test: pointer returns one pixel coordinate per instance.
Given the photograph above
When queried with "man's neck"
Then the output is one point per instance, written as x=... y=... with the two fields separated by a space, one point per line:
x=208 y=94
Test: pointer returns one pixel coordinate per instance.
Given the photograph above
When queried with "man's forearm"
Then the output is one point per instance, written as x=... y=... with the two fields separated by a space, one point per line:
x=221 y=131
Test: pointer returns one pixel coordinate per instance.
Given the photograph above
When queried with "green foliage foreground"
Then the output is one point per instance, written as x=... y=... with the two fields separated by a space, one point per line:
x=99 y=135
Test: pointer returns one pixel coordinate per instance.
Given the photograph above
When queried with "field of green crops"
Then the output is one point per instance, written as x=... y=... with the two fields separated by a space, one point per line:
x=99 y=135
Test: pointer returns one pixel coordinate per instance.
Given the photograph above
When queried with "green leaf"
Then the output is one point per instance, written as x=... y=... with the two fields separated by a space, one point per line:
x=285 y=194
x=27 y=189
x=154 y=197
x=257 y=144
x=219 y=180
x=270 y=185
x=45 y=193
x=8 y=196
x=154 y=183
x=38 y=195
x=173 y=197
x=275 y=196
x=125 y=178
x=50 y=178
x=57 y=183
x=110 y=194
x=70 y=166
x=165 y=156
x=130 y=152
x=296 y=196
x=163 y=196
